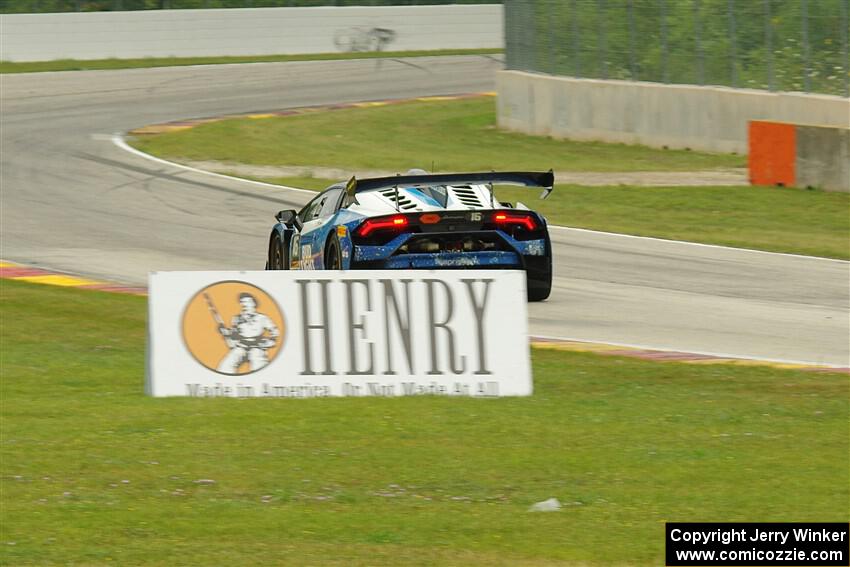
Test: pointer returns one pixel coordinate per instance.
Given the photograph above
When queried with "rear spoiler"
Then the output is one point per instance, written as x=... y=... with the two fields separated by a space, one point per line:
x=526 y=178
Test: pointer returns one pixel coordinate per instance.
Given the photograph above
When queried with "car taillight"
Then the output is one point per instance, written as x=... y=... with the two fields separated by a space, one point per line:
x=518 y=219
x=369 y=226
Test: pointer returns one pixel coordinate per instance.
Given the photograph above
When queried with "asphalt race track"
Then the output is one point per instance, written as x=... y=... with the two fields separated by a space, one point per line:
x=74 y=201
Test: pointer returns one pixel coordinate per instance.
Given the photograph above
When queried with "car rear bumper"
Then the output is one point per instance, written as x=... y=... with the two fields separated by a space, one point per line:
x=445 y=260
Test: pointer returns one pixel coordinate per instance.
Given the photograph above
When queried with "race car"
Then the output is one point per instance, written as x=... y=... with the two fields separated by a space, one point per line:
x=418 y=221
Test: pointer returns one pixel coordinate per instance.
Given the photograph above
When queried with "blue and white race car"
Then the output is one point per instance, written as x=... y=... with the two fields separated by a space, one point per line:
x=418 y=221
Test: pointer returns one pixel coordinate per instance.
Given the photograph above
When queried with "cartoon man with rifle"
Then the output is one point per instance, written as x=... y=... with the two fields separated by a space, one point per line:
x=249 y=337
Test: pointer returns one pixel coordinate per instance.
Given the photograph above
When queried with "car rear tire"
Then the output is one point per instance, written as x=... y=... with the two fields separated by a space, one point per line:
x=539 y=281
x=278 y=253
x=333 y=254
x=540 y=288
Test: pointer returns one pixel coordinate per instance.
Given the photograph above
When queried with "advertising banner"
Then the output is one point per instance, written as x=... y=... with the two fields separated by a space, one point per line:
x=356 y=333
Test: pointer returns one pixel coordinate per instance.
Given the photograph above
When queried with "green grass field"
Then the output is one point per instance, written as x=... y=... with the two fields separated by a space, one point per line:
x=453 y=135
x=102 y=64
x=94 y=472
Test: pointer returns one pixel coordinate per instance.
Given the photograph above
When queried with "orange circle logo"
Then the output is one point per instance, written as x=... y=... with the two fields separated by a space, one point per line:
x=233 y=328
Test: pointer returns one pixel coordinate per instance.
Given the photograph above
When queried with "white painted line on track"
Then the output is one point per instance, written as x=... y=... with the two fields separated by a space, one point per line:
x=118 y=140
x=689 y=351
x=700 y=244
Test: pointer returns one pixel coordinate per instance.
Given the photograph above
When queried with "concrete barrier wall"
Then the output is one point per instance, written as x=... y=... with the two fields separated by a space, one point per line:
x=256 y=31
x=676 y=116
x=823 y=158
x=799 y=155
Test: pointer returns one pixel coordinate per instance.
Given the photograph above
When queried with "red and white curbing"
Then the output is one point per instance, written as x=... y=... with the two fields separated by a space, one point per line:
x=12 y=271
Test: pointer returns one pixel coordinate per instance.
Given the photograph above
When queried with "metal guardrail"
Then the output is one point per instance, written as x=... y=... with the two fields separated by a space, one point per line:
x=778 y=45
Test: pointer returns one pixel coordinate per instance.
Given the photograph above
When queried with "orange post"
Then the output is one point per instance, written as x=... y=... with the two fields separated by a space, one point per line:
x=773 y=153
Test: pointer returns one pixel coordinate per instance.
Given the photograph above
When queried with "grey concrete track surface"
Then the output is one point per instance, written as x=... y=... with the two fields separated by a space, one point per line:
x=73 y=201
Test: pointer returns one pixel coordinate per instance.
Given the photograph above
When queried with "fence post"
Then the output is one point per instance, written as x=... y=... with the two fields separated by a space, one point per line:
x=510 y=48
x=733 y=44
x=519 y=37
x=576 y=62
x=665 y=70
x=632 y=69
x=602 y=54
x=768 y=42
x=845 y=24
x=553 y=67
x=804 y=8
x=698 y=38
x=532 y=56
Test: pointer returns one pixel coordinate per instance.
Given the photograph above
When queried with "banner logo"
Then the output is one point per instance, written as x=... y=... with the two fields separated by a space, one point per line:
x=233 y=328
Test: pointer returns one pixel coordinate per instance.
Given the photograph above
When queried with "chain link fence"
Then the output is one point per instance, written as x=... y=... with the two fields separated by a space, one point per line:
x=778 y=45
x=42 y=6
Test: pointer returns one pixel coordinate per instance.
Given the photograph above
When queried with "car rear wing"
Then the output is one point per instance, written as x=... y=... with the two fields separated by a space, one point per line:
x=525 y=178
